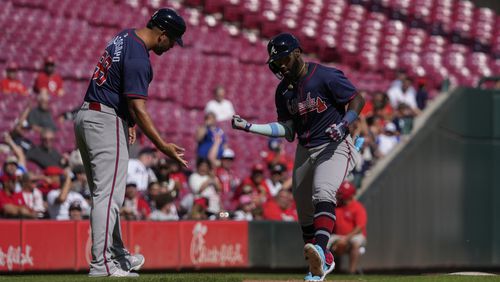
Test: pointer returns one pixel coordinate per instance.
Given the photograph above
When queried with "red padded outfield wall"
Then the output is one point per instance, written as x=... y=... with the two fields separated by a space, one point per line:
x=31 y=245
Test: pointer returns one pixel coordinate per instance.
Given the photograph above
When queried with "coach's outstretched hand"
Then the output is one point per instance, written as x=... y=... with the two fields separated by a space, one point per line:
x=175 y=152
x=337 y=131
x=239 y=123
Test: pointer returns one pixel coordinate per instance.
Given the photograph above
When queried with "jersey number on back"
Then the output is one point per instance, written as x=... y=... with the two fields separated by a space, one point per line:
x=101 y=70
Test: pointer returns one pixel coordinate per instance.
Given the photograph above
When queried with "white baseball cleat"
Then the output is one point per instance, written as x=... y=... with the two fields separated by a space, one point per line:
x=122 y=273
x=136 y=262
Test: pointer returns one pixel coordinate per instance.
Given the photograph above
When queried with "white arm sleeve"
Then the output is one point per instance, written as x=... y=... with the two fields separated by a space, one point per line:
x=275 y=129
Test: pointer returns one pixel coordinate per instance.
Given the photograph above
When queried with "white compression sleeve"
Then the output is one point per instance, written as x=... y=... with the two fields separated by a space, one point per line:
x=275 y=129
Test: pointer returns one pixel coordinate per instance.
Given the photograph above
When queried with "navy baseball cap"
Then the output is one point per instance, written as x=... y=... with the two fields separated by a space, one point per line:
x=171 y=22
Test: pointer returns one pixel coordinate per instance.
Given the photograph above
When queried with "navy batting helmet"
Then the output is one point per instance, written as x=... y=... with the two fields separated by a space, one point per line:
x=281 y=45
x=169 y=21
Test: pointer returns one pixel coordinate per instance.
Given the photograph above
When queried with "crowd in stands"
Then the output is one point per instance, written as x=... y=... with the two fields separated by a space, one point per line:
x=158 y=188
x=53 y=182
x=386 y=119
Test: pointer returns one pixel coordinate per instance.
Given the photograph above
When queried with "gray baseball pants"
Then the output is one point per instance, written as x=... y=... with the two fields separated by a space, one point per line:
x=102 y=138
x=318 y=173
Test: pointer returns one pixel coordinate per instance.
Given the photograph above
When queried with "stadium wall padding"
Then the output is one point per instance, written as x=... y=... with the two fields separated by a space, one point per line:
x=45 y=245
x=438 y=202
x=275 y=245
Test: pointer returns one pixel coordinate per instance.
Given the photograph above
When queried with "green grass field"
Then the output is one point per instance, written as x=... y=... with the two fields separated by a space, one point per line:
x=238 y=277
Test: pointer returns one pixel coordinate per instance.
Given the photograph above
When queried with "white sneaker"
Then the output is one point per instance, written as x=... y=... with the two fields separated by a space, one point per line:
x=122 y=273
x=136 y=262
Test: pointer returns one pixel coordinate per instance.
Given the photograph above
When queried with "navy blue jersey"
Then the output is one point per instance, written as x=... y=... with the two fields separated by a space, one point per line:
x=317 y=102
x=123 y=70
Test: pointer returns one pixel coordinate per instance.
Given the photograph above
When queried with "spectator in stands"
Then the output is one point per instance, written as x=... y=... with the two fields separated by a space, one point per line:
x=221 y=107
x=40 y=118
x=154 y=190
x=15 y=164
x=177 y=173
x=48 y=81
x=245 y=209
x=381 y=106
x=275 y=182
x=184 y=201
x=205 y=135
x=258 y=213
x=134 y=207
x=405 y=94
x=281 y=207
x=20 y=128
x=422 y=95
x=50 y=180
x=45 y=154
x=79 y=182
x=140 y=170
x=60 y=196
x=11 y=203
x=205 y=184
x=398 y=81
x=11 y=169
x=387 y=140
x=11 y=84
x=75 y=211
x=167 y=184
x=254 y=185
x=32 y=196
x=368 y=109
x=18 y=135
x=276 y=154
x=166 y=208
x=199 y=210
x=350 y=228
x=403 y=119
x=224 y=172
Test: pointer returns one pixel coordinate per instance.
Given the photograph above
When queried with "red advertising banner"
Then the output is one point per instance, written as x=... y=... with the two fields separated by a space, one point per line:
x=12 y=255
x=83 y=245
x=213 y=244
x=50 y=244
x=157 y=241
x=65 y=245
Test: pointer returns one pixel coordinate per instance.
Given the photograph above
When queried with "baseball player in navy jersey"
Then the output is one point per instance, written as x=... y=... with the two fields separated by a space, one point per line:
x=316 y=103
x=105 y=125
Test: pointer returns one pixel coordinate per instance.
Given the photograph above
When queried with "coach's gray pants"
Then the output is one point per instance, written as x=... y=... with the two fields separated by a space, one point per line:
x=318 y=173
x=102 y=138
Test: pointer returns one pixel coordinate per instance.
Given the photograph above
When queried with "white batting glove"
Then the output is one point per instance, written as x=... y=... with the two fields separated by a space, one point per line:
x=239 y=123
x=337 y=131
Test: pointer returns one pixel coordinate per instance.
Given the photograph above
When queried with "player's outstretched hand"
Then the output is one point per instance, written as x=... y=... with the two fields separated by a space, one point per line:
x=131 y=135
x=239 y=123
x=337 y=131
x=175 y=152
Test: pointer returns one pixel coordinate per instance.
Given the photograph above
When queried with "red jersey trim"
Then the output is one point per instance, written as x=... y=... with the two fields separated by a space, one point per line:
x=139 y=96
x=353 y=96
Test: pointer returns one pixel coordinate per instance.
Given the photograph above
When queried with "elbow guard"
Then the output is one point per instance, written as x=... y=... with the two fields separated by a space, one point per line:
x=289 y=130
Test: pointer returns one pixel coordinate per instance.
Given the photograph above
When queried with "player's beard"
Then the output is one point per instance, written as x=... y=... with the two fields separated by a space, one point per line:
x=159 y=50
x=161 y=47
x=293 y=75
